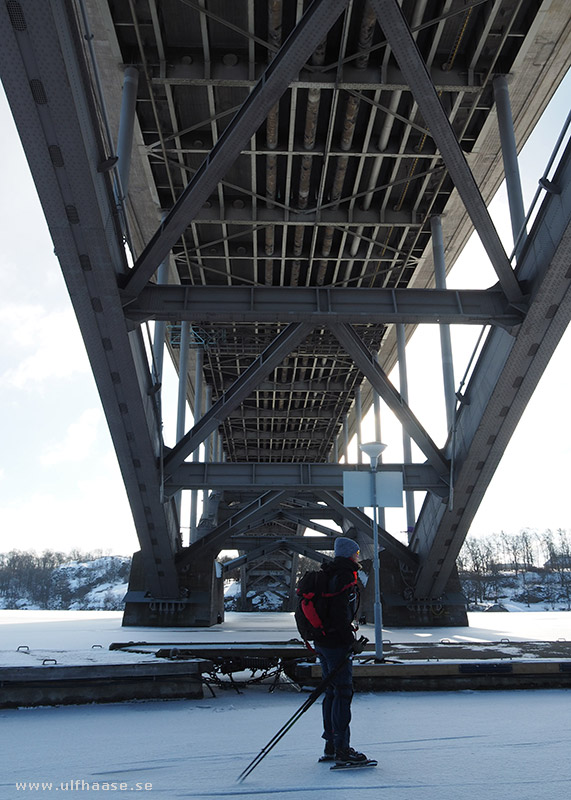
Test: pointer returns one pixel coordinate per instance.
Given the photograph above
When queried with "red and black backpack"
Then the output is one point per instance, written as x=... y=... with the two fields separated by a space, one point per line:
x=312 y=611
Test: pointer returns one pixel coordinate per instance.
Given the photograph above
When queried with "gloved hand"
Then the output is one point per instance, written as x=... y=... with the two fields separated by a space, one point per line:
x=359 y=645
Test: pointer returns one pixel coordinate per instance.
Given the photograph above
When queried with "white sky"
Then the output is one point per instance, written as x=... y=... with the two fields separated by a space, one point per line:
x=60 y=486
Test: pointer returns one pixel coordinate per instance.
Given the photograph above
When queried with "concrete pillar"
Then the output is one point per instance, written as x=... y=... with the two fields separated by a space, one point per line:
x=445 y=340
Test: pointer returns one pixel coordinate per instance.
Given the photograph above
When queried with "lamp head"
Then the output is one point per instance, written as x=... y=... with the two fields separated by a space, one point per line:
x=373 y=450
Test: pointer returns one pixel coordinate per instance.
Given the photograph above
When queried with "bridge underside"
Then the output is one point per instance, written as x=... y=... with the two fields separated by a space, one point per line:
x=278 y=173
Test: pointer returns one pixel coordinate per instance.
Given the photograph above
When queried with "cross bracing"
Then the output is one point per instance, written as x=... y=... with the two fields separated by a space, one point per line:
x=287 y=164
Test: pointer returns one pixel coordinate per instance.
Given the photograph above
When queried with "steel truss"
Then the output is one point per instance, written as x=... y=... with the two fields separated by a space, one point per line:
x=297 y=246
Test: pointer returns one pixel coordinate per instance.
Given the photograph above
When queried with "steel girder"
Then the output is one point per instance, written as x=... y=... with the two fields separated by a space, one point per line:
x=264 y=549
x=290 y=476
x=361 y=522
x=355 y=80
x=242 y=542
x=504 y=379
x=320 y=305
x=298 y=545
x=301 y=546
x=265 y=509
x=304 y=522
x=51 y=100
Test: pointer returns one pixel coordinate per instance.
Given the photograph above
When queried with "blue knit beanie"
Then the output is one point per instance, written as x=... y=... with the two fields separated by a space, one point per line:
x=346 y=548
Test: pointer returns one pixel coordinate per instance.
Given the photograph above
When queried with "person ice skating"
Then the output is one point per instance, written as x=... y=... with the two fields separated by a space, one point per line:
x=334 y=647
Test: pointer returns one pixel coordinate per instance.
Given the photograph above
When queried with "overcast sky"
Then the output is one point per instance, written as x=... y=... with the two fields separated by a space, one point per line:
x=60 y=487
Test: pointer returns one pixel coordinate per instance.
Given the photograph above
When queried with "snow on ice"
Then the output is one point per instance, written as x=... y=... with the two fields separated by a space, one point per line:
x=467 y=745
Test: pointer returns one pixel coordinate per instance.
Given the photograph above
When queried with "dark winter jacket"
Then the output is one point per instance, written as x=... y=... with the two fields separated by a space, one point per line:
x=342 y=607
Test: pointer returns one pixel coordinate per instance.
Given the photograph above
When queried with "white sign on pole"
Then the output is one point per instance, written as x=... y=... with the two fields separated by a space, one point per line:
x=358 y=489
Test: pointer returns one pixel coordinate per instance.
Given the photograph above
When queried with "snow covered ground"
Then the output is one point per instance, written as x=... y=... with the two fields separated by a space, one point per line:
x=466 y=745
x=71 y=635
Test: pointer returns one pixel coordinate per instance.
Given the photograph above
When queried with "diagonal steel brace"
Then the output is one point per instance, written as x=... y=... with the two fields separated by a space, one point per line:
x=415 y=72
x=362 y=522
x=272 y=357
x=378 y=379
x=283 y=69
x=262 y=508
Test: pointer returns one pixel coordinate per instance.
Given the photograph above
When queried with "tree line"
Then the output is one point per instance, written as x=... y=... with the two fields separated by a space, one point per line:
x=55 y=580
x=535 y=567
x=540 y=563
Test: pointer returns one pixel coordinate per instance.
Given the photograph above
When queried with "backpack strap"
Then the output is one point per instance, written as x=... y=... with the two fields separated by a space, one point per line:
x=343 y=588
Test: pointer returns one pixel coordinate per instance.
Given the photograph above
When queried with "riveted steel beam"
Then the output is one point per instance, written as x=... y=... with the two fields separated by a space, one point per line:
x=318 y=305
x=315 y=526
x=292 y=476
x=269 y=546
x=300 y=546
x=245 y=542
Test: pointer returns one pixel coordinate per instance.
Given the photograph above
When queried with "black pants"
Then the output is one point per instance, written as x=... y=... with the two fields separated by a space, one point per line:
x=338 y=695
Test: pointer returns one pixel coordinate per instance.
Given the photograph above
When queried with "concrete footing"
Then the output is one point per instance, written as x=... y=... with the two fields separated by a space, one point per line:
x=200 y=605
x=402 y=610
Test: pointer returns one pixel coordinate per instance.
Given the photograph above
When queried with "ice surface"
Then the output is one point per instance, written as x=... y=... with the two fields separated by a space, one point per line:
x=466 y=745
x=435 y=746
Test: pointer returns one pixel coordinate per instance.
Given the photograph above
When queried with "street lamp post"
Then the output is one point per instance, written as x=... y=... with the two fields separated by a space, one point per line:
x=374 y=450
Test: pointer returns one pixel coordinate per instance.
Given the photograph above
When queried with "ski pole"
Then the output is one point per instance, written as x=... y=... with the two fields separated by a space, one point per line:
x=356 y=647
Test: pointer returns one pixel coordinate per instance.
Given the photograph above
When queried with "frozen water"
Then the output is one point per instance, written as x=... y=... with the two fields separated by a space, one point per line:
x=468 y=745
